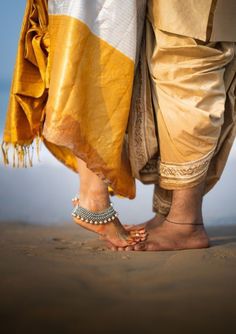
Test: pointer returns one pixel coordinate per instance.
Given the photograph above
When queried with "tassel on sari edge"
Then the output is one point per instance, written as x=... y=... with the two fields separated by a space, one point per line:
x=22 y=154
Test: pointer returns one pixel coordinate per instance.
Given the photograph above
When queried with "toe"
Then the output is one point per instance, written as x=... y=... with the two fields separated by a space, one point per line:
x=129 y=248
x=132 y=243
x=140 y=237
x=154 y=246
x=134 y=227
x=113 y=248
x=140 y=246
x=142 y=230
x=110 y=246
x=128 y=227
x=148 y=246
x=137 y=235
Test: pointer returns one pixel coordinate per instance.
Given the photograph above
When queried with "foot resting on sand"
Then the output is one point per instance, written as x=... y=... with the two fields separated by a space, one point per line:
x=112 y=232
x=94 y=197
x=169 y=236
x=183 y=227
x=134 y=234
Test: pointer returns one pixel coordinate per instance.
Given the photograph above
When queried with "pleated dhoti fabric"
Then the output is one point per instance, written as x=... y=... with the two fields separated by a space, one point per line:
x=183 y=120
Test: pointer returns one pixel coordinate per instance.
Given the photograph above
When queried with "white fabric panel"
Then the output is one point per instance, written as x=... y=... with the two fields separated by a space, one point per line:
x=114 y=21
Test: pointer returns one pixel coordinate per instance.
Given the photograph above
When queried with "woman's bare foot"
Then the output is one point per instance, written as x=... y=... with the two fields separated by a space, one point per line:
x=133 y=229
x=138 y=232
x=94 y=197
x=112 y=232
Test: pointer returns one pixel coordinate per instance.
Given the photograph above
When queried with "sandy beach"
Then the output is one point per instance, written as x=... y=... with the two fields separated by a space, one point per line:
x=61 y=279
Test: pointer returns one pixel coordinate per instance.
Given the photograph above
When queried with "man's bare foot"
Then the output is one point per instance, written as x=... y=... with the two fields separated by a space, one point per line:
x=168 y=236
x=183 y=227
x=112 y=232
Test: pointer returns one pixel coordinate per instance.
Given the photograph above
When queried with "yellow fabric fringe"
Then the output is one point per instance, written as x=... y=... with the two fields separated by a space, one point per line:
x=22 y=155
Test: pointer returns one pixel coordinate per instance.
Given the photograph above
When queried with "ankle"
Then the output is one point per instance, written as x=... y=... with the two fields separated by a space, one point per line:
x=94 y=201
x=191 y=222
x=186 y=219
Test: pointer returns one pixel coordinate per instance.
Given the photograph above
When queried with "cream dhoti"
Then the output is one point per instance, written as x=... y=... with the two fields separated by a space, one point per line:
x=183 y=119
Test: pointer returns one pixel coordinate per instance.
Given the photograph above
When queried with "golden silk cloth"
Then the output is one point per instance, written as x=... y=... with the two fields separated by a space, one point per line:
x=183 y=120
x=72 y=85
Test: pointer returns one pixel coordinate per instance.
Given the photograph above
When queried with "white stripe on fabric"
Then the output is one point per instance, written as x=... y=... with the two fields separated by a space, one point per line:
x=114 y=21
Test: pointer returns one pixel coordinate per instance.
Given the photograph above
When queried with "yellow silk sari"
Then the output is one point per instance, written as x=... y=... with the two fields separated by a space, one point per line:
x=72 y=85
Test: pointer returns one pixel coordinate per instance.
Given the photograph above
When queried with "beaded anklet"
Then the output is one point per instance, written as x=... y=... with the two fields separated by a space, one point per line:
x=103 y=217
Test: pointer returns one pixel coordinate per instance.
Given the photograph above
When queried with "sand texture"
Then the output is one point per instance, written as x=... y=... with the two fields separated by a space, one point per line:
x=61 y=279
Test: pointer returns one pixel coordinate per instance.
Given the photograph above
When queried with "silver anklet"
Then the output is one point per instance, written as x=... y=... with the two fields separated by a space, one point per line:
x=180 y=223
x=102 y=217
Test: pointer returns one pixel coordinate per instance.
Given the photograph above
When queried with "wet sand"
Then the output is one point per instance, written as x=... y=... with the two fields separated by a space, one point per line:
x=61 y=279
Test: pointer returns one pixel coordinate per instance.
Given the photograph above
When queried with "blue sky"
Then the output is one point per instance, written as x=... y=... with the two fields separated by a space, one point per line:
x=10 y=19
x=43 y=193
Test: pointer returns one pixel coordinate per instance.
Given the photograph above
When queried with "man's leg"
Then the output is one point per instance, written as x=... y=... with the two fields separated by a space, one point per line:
x=190 y=81
x=183 y=227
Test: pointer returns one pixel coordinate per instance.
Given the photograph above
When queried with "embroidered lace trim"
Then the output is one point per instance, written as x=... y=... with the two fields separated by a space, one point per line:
x=187 y=170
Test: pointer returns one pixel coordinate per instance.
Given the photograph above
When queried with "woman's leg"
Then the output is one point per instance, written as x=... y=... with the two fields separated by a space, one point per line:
x=94 y=196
